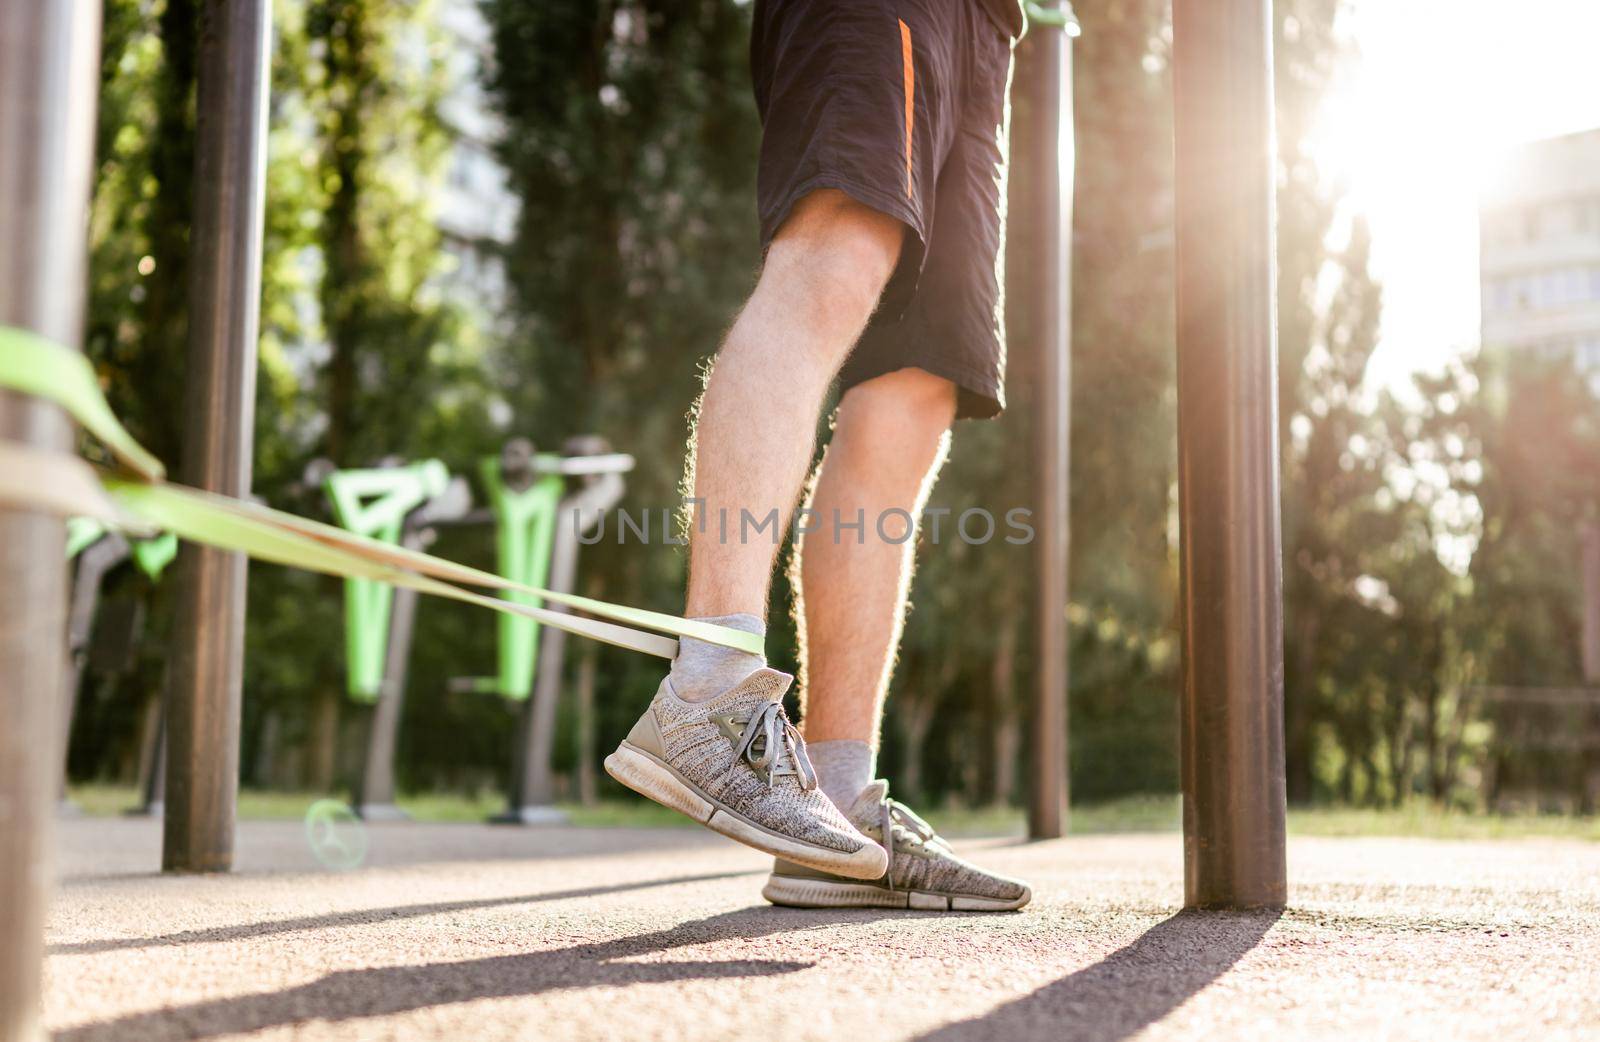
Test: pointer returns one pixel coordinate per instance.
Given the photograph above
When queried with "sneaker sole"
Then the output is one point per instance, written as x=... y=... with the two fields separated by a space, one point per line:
x=822 y=893
x=649 y=777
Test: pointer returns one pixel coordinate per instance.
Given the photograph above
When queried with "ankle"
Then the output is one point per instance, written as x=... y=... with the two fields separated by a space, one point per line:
x=703 y=670
x=844 y=768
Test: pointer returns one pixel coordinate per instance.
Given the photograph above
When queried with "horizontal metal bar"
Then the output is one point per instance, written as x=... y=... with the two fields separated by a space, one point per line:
x=1548 y=695
x=577 y=466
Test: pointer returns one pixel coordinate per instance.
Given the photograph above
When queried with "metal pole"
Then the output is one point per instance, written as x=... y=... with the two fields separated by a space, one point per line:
x=204 y=695
x=1589 y=767
x=1231 y=572
x=152 y=770
x=1052 y=97
x=533 y=785
x=375 y=796
x=49 y=61
x=1589 y=540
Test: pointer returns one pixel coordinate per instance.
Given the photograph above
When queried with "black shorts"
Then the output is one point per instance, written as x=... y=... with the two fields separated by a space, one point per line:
x=900 y=104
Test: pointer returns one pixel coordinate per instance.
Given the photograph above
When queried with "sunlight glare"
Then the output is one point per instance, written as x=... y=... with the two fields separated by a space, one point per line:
x=1417 y=129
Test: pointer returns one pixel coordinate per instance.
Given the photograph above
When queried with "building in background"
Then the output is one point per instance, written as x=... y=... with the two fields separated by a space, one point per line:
x=1539 y=272
x=1539 y=249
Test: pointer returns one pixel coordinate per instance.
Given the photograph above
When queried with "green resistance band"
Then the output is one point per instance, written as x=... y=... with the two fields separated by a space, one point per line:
x=144 y=504
x=33 y=365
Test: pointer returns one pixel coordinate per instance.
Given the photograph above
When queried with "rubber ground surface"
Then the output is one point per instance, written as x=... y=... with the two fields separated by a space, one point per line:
x=480 y=933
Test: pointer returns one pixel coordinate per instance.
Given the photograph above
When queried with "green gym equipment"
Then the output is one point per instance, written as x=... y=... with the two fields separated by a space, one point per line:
x=528 y=503
x=95 y=551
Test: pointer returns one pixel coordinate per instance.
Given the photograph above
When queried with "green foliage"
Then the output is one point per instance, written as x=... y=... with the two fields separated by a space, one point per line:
x=631 y=139
x=139 y=224
x=363 y=353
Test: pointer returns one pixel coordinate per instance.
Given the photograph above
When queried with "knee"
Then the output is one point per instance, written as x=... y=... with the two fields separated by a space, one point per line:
x=899 y=416
x=834 y=256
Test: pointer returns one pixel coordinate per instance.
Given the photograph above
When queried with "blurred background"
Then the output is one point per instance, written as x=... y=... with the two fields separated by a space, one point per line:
x=501 y=219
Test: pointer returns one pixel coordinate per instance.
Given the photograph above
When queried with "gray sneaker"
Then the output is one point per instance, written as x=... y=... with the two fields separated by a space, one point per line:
x=923 y=873
x=737 y=765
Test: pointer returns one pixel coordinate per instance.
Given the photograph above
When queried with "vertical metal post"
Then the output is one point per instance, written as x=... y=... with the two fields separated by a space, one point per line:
x=533 y=783
x=1051 y=85
x=375 y=791
x=1589 y=541
x=49 y=60
x=1231 y=572
x=153 y=769
x=1589 y=767
x=230 y=173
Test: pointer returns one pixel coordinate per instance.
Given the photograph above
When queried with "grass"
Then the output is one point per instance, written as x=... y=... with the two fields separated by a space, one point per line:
x=1428 y=822
x=1131 y=814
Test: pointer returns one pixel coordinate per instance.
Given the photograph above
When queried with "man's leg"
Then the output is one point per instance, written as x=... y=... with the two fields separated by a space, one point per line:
x=753 y=441
x=889 y=441
x=715 y=743
x=890 y=437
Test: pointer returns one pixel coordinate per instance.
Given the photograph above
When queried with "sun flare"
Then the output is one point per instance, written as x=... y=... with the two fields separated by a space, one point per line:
x=1437 y=92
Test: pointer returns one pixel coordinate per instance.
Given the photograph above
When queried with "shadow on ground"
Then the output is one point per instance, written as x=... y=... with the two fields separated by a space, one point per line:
x=109 y=850
x=367 y=916
x=353 y=994
x=1113 y=999
x=1129 y=989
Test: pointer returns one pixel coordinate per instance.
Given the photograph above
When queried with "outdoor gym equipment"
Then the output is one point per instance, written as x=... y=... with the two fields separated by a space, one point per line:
x=375 y=503
x=404 y=505
x=399 y=505
x=523 y=497
x=49 y=63
x=598 y=486
x=1053 y=148
x=96 y=550
x=1231 y=547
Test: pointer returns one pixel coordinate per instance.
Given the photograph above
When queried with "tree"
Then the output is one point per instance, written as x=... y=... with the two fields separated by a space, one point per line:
x=352 y=303
x=1325 y=339
x=631 y=139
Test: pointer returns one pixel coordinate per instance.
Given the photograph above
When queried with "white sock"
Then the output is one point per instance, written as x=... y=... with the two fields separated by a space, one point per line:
x=844 y=768
x=704 y=670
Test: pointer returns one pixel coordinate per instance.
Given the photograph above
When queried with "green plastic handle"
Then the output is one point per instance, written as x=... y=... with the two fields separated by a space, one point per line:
x=1059 y=17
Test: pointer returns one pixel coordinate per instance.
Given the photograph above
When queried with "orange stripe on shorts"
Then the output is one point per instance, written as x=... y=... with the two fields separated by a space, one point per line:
x=911 y=95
